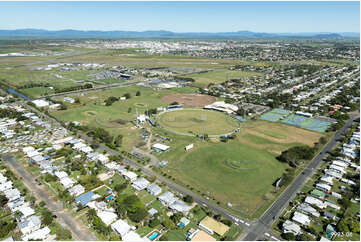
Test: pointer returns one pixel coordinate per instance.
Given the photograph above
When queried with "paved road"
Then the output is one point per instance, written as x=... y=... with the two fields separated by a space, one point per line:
x=262 y=225
x=79 y=231
x=110 y=86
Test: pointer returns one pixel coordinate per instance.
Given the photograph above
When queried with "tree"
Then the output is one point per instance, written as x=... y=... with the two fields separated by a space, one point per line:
x=120 y=187
x=127 y=96
x=288 y=236
x=217 y=217
x=46 y=217
x=304 y=237
x=188 y=199
x=137 y=94
x=176 y=217
x=118 y=140
x=3 y=200
x=139 y=215
x=174 y=103
x=129 y=109
x=154 y=222
x=91 y=214
x=168 y=224
x=355 y=226
x=342 y=226
x=63 y=234
x=121 y=210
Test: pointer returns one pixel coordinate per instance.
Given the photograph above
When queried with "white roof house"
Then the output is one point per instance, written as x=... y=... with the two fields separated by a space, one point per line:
x=307 y=209
x=40 y=103
x=129 y=175
x=107 y=217
x=180 y=206
x=27 y=149
x=140 y=184
x=32 y=153
x=314 y=201
x=154 y=189
x=323 y=187
x=327 y=179
x=60 y=174
x=67 y=182
x=12 y=194
x=120 y=227
x=38 y=158
x=76 y=190
x=333 y=173
x=160 y=147
x=86 y=149
x=291 y=227
x=26 y=212
x=102 y=158
x=6 y=186
x=78 y=146
x=167 y=198
x=40 y=234
x=31 y=224
x=301 y=218
x=339 y=163
x=131 y=236
x=337 y=169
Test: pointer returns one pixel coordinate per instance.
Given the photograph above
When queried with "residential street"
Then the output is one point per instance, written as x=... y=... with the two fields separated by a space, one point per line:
x=79 y=231
x=262 y=225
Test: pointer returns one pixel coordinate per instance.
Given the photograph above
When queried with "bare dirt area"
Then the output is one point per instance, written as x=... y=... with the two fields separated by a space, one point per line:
x=189 y=100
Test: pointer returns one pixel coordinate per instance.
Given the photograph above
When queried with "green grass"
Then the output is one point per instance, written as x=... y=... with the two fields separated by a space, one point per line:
x=219 y=76
x=197 y=121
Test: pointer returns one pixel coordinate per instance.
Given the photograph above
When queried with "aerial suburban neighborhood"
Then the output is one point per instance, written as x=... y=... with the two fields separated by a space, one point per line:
x=179 y=136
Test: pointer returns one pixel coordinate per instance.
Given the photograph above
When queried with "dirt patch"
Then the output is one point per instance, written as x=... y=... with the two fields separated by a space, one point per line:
x=189 y=100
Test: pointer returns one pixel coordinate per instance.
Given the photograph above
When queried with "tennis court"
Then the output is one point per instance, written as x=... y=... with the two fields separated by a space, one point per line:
x=307 y=123
x=275 y=115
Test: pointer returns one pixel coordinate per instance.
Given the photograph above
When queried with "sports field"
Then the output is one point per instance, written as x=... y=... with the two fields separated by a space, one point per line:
x=240 y=171
x=197 y=121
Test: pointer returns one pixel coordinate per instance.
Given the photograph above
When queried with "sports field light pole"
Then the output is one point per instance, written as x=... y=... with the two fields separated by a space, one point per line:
x=204 y=118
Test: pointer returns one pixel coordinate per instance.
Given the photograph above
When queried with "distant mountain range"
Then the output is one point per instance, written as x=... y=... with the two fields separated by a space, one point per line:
x=69 y=33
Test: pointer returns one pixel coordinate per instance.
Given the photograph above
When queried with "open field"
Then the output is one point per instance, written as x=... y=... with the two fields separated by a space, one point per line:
x=219 y=76
x=189 y=100
x=240 y=171
x=117 y=117
x=197 y=121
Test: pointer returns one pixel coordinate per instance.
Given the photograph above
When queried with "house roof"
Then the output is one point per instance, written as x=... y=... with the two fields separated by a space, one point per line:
x=161 y=147
x=301 y=218
x=107 y=217
x=214 y=225
x=202 y=236
x=291 y=227
x=167 y=198
x=84 y=198
x=141 y=183
x=121 y=227
x=180 y=206
x=131 y=236
x=154 y=188
x=38 y=234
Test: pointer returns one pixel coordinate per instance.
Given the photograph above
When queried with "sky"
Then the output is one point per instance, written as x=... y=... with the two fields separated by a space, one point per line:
x=270 y=17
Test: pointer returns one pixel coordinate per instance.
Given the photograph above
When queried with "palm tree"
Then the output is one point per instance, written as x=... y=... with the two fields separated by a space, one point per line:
x=91 y=214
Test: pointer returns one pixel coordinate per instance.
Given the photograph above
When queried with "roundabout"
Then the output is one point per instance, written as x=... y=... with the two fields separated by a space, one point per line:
x=193 y=122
